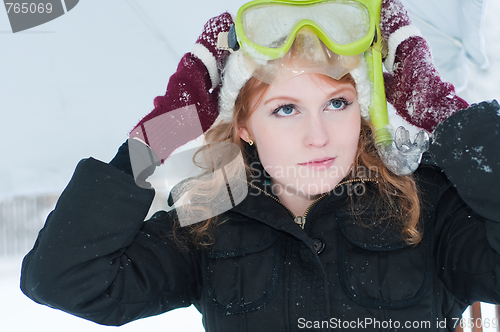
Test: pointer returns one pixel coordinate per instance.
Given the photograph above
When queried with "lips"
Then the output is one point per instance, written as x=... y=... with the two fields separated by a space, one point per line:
x=319 y=164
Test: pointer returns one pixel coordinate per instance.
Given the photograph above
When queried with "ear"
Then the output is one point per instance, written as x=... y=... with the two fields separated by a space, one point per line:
x=244 y=134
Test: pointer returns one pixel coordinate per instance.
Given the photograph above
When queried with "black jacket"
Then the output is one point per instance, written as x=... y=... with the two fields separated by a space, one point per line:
x=96 y=258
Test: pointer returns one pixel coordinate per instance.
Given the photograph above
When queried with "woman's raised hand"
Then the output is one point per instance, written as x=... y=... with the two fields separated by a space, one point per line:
x=189 y=106
x=412 y=84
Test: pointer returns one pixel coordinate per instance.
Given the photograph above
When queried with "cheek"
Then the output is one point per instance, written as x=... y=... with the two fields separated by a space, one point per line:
x=348 y=134
x=354 y=129
x=275 y=146
x=271 y=152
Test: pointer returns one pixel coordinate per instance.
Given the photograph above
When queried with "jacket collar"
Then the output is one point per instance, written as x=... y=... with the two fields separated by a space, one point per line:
x=264 y=206
x=267 y=210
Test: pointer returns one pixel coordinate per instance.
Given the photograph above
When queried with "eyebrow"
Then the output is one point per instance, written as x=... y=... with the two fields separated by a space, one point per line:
x=293 y=100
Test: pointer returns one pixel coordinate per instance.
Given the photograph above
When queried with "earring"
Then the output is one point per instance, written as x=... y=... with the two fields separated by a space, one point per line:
x=250 y=142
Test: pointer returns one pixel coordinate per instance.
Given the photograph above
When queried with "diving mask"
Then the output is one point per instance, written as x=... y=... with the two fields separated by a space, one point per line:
x=267 y=29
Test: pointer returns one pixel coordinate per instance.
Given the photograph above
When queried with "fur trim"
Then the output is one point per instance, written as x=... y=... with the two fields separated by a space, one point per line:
x=363 y=87
x=234 y=77
x=397 y=38
x=202 y=53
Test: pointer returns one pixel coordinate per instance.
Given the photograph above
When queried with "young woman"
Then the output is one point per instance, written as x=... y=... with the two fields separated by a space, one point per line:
x=327 y=237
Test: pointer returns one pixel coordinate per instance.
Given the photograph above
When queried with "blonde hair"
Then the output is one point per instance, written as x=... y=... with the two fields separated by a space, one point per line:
x=397 y=194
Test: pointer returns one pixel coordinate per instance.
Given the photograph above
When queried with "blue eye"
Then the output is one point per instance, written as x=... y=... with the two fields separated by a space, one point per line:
x=338 y=104
x=284 y=111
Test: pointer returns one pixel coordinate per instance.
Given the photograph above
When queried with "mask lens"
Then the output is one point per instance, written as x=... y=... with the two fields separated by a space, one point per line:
x=270 y=25
x=343 y=23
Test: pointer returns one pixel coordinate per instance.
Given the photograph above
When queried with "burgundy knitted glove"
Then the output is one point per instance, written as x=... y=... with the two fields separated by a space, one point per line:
x=413 y=85
x=190 y=104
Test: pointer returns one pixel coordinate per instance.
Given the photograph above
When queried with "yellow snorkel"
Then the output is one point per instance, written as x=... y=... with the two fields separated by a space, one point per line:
x=379 y=115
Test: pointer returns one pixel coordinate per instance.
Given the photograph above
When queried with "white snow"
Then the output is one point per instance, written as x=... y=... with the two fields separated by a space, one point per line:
x=476 y=155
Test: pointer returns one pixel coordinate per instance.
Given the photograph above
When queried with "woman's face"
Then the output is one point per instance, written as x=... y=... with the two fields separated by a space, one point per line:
x=306 y=132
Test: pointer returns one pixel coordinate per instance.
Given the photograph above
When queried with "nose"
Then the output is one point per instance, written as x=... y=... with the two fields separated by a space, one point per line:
x=316 y=132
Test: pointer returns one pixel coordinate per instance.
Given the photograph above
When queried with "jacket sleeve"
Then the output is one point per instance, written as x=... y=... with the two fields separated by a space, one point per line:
x=96 y=258
x=467 y=251
x=466 y=146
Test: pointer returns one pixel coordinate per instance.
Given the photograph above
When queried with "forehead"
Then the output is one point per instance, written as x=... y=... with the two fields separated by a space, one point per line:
x=311 y=83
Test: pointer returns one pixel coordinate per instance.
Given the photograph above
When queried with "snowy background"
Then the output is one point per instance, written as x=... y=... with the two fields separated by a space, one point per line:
x=74 y=87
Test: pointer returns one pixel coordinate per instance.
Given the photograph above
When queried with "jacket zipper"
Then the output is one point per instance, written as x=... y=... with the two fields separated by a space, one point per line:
x=301 y=220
